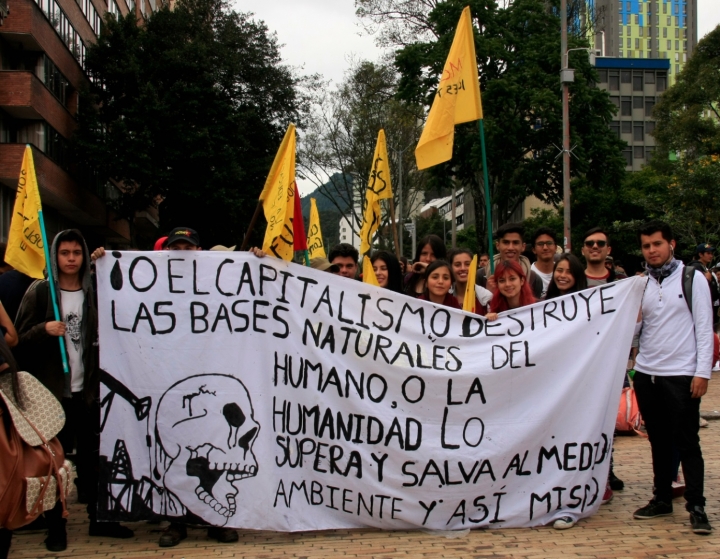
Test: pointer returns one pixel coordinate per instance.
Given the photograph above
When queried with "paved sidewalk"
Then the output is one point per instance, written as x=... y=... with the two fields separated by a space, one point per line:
x=612 y=533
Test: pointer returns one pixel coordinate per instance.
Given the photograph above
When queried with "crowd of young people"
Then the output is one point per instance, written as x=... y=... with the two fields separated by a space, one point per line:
x=673 y=360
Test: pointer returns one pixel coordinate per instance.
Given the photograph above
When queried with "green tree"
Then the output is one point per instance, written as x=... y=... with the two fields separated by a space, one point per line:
x=337 y=148
x=517 y=49
x=688 y=114
x=187 y=111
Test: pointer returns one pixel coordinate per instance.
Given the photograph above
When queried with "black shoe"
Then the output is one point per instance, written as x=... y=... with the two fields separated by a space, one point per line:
x=699 y=521
x=110 y=530
x=223 y=535
x=616 y=484
x=56 y=541
x=652 y=509
x=173 y=535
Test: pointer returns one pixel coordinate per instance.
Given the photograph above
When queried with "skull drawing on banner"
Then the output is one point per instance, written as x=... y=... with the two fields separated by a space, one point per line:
x=204 y=435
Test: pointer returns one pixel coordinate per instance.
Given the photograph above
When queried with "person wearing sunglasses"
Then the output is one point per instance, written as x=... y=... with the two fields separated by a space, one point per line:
x=595 y=249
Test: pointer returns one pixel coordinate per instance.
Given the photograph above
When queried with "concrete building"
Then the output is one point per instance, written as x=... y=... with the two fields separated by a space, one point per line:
x=655 y=29
x=635 y=85
x=42 y=54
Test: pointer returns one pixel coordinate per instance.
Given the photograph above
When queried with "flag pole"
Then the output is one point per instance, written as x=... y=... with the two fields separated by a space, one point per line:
x=394 y=228
x=488 y=205
x=53 y=293
x=246 y=240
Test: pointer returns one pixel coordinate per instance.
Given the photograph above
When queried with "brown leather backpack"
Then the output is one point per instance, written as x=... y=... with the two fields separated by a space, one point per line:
x=34 y=474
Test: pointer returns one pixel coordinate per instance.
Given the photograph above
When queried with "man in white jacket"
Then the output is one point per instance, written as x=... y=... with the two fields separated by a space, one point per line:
x=672 y=373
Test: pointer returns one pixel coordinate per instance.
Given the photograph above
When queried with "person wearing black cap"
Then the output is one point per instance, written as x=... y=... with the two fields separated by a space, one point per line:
x=183 y=238
x=703 y=257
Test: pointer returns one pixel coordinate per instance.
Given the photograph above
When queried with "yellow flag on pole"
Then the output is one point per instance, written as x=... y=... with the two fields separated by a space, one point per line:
x=469 y=300
x=278 y=200
x=457 y=99
x=25 y=250
x=368 y=272
x=315 y=244
x=379 y=188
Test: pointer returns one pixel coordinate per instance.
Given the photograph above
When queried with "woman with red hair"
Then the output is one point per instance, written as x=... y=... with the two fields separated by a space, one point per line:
x=513 y=290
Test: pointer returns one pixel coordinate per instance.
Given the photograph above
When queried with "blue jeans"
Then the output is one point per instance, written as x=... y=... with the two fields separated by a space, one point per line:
x=672 y=420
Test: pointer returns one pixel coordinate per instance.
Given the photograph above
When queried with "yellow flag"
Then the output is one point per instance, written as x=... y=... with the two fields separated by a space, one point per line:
x=379 y=188
x=315 y=244
x=25 y=250
x=278 y=200
x=369 y=272
x=469 y=300
x=457 y=99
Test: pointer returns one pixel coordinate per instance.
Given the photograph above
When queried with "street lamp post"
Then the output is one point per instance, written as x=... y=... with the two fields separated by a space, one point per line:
x=566 y=77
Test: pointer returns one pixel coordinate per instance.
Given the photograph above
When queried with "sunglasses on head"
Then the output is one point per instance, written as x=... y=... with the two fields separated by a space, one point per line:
x=591 y=244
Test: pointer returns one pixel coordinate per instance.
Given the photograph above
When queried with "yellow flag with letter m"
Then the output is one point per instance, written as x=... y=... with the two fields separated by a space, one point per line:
x=457 y=99
x=25 y=249
x=278 y=200
x=379 y=188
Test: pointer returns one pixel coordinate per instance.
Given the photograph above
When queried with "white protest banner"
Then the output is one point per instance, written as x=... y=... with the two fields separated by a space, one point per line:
x=256 y=393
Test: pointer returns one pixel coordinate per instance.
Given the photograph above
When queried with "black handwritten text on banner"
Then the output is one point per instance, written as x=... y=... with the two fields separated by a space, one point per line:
x=254 y=393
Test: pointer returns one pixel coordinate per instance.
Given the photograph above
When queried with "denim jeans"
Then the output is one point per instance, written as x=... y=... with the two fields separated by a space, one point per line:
x=672 y=420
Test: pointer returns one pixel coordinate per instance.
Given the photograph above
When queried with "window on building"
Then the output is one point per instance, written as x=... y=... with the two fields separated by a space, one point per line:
x=637 y=81
x=625 y=76
x=649 y=77
x=661 y=84
x=627 y=154
x=615 y=127
x=677 y=33
x=629 y=42
x=53 y=79
x=684 y=57
x=664 y=8
x=669 y=21
x=64 y=28
x=639 y=152
x=637 y=43
x=638 y=132
x=637 y=102
x=615 y=100
x=614 y=81
x=677 y=68
x=637 y=19
x=628 y=6
x=650 y=127
x=130 y=5
x=649 y=105
x=113 y=8
x=626 y=127
x=684 y=32
x=684 y=45
x=677 y=22
x=626 y=106
x=677 y=57
x=677 y=9
x=602 y=76
x=664 y=32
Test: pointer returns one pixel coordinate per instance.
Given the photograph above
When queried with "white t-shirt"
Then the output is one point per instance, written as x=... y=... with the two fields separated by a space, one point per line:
x=546 y=278
x=72 y=309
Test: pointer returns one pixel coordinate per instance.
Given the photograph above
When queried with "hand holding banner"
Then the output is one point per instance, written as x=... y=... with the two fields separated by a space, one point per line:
x=457 y=99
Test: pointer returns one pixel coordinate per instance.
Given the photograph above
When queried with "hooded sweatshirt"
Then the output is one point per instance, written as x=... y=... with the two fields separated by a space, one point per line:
x=38 y=352
x=533 y=279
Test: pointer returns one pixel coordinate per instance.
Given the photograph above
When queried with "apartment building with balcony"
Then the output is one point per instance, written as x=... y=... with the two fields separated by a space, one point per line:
x=42 y=56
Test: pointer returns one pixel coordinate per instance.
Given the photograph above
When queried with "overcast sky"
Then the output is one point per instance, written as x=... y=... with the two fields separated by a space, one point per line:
x=321 y=36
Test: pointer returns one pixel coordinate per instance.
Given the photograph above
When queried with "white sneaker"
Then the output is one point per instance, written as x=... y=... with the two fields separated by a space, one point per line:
x=563 y=523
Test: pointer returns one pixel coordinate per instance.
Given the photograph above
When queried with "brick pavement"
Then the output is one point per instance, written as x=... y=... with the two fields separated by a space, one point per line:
x=611 y=533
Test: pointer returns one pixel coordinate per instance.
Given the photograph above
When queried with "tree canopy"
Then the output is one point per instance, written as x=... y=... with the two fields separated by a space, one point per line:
x=517 y=47
x=188 y=111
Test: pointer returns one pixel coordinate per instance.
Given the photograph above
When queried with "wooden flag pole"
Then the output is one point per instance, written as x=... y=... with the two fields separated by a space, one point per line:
x=246 y=240
x=394 y=228
x=488 y=205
